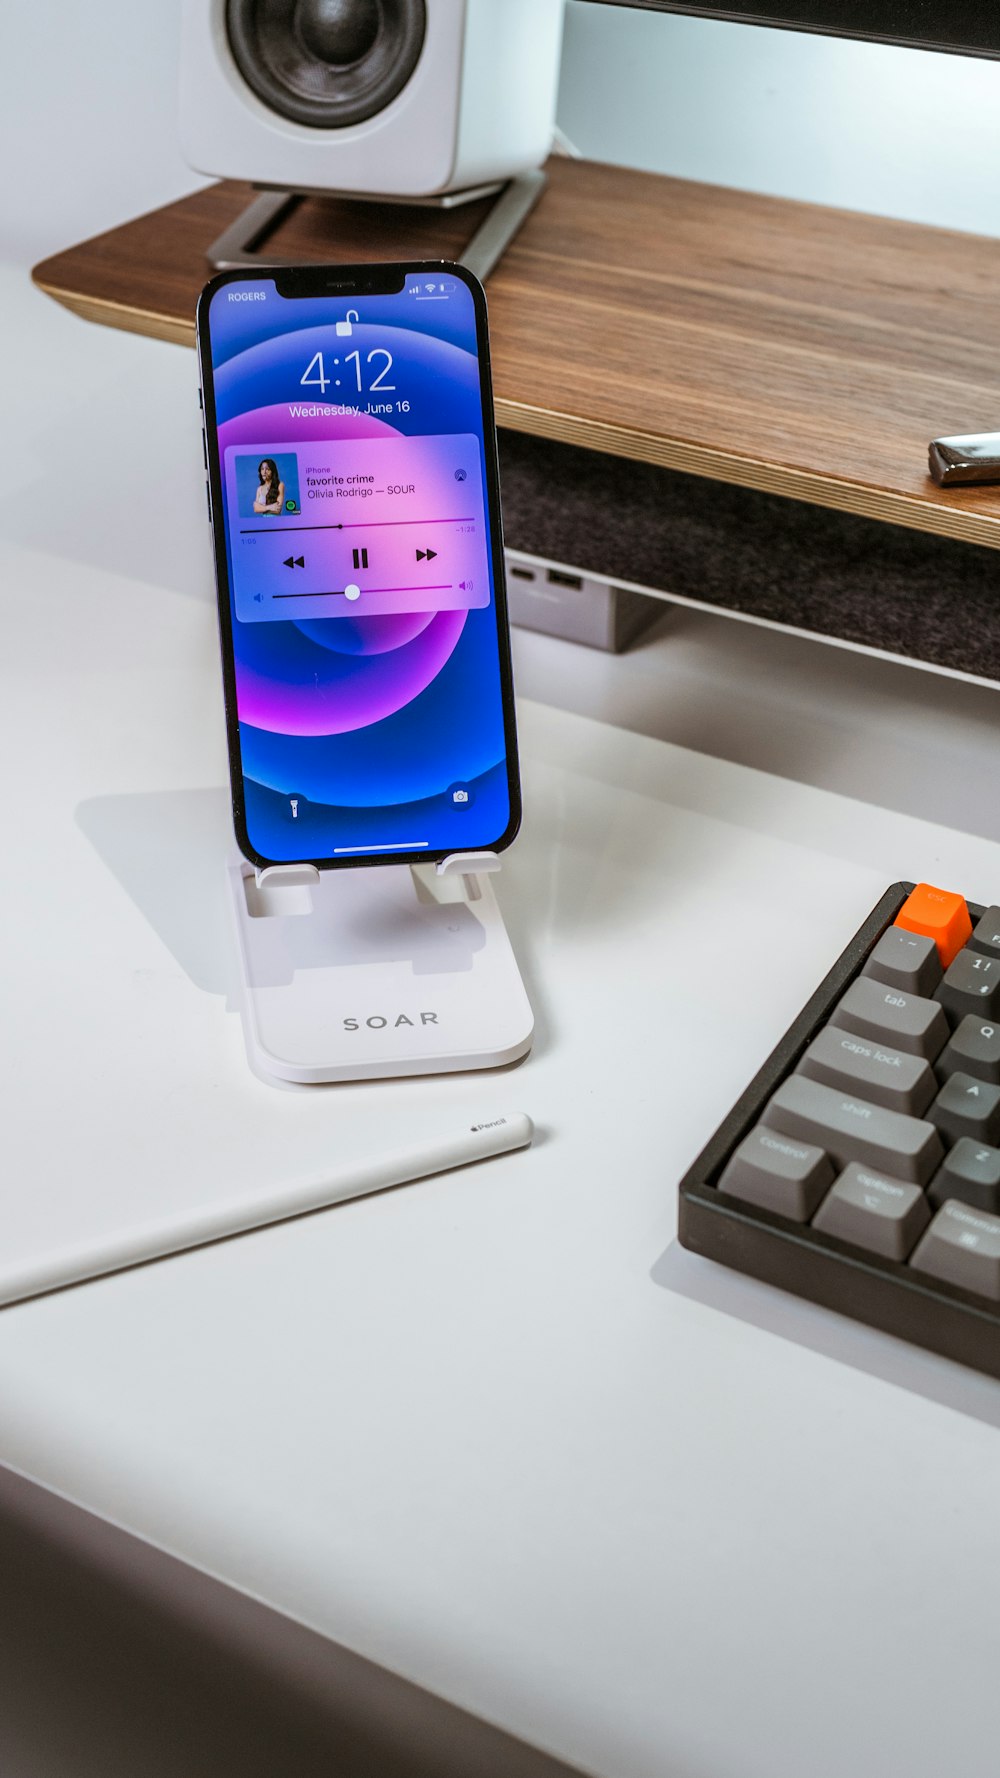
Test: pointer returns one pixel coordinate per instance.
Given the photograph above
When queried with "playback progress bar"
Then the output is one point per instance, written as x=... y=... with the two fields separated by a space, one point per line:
x=468 y=518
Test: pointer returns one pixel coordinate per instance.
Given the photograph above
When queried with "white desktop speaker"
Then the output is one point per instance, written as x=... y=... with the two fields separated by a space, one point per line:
x=405 y=98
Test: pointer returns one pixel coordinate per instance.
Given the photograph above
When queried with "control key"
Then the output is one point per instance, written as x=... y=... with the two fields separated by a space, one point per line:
x=787 y=1177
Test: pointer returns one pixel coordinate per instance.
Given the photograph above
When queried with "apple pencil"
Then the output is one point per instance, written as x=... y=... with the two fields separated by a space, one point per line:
x=473 y=1142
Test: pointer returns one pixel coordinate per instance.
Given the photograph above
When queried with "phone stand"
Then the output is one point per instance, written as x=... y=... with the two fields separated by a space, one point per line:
x=366 y=974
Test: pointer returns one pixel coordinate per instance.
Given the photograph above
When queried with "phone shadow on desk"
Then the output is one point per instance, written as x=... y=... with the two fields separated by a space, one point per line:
x=169 y=851
x=823 y=1331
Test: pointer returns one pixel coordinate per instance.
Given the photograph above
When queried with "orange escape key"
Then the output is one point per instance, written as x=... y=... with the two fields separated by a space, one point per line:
x=937 y=914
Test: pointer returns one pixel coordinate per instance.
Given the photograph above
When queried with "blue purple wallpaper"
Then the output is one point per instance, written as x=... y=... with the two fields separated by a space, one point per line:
x=358 y=551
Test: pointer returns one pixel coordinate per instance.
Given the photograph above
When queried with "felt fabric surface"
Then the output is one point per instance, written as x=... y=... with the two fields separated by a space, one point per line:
x=884 y=586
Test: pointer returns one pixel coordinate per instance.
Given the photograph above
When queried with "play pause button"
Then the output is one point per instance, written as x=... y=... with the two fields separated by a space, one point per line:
x=426 y=555
x=295 y=561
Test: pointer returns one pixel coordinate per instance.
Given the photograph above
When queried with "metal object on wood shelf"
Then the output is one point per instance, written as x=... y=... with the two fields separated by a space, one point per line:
x=972 y=457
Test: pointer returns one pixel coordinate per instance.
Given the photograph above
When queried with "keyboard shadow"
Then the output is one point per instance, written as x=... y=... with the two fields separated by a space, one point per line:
x=834 y=1336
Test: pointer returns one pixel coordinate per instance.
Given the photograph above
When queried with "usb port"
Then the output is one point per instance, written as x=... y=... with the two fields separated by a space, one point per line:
x=558 y=578
x=522 y=573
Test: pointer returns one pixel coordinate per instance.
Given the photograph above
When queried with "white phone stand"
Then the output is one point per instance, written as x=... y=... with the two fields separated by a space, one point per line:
x=367 y=974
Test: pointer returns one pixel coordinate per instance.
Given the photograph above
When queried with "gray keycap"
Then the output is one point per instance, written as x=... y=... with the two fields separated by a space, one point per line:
x=973 y=1048
x=906 y=1021
x=967 y=1107
x=872 y=1211
x=971 y=1172
x=971 y=984
x=905 y=960
x=857 y=1065
x=963 y=1247
x=852 y=1129
x=778 y=1174
x=986 y=934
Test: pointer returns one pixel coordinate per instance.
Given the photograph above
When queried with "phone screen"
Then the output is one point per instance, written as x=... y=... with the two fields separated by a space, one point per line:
x=358 y=550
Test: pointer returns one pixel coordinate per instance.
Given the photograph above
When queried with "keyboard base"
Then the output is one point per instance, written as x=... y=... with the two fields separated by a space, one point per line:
x=885 y=1295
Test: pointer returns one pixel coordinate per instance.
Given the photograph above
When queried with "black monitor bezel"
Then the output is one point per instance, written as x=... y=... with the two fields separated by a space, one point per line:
x=963 y=28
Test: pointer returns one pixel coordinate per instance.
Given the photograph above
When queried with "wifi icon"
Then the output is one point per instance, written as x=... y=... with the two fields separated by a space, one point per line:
x=428 y=286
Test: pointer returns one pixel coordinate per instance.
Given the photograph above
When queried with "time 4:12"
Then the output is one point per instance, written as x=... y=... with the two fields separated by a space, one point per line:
x=322 y=382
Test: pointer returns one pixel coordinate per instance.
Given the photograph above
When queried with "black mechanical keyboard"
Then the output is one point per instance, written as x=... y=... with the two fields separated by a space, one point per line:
x=861 y=1167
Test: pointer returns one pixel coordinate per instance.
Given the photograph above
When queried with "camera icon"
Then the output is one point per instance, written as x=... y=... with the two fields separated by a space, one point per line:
x=460 y=796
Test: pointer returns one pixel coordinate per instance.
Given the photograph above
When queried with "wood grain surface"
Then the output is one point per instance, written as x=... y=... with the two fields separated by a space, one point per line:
x=810 y=352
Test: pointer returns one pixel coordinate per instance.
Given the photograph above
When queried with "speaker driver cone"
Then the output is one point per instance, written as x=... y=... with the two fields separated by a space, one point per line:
x=327 y=63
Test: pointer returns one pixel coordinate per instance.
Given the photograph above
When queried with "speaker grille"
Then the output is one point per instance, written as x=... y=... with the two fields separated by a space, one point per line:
x=326 y=63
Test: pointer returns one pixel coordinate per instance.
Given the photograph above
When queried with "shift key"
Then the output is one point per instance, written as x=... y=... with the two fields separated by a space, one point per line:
x=851 y=1129
x=906 y=1021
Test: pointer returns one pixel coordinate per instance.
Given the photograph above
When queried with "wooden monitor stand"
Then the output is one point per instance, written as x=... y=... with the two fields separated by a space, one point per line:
x=781 y=346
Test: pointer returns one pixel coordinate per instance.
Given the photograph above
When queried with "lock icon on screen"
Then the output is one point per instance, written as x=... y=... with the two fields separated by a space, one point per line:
x=344 y=328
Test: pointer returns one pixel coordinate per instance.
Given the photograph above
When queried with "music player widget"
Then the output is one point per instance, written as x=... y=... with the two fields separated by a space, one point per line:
x=383 y=526
x=366 y=650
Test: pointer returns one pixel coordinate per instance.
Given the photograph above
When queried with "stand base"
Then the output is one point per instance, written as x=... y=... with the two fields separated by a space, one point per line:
x=238 y=246
x=370 y=974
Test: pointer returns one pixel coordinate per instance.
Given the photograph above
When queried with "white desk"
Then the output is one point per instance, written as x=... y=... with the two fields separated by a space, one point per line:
x=495 y=1431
